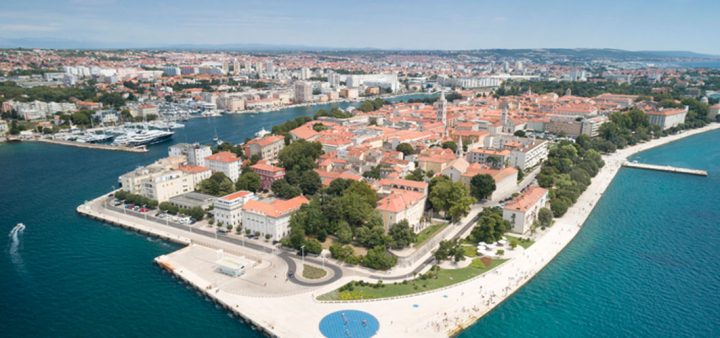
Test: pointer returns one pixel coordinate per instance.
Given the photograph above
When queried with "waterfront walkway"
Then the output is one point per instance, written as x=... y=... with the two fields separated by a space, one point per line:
x=665 y=168
x=99 y=146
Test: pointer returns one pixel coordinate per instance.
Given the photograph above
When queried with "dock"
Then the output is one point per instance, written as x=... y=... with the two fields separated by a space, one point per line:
x=100 y=146
x=665 y=168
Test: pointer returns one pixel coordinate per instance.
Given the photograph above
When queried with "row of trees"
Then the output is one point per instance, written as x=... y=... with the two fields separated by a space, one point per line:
x=135 y=199
x=196 y=213
x=567 y=173
x=371 y=105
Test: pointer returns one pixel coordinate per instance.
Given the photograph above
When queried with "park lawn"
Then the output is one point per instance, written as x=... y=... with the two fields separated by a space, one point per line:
x=445 y=277
x=523 y=242
x=470 y=251
x=311 y=272
x=427 y=233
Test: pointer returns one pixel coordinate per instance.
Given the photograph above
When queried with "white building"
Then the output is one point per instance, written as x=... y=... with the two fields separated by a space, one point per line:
x=270 y=217
x=401 y=205
x=387 y=81
x=195 y=152
x=226 y=163
x=667 y=118
x=523 y=211
x=303 y=91
x=228 y=209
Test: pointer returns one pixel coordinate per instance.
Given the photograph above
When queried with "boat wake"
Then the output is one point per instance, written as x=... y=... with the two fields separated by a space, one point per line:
x=15 y=237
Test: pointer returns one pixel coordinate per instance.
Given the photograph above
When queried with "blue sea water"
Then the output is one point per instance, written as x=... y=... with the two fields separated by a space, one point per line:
x=69 y=276
x=644 y=265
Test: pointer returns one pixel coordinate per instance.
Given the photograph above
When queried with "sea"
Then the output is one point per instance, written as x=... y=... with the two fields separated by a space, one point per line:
x=645 y=263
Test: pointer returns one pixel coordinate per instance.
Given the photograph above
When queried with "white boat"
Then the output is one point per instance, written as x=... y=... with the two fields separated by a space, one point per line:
x=262 y=133
x=18 y=228
x=143 y=137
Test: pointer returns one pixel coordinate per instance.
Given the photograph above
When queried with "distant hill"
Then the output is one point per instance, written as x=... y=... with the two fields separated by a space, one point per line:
x=540 y=53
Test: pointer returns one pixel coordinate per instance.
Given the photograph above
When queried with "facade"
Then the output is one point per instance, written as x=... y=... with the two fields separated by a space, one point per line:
x=267 y=147
x=523 y=211
x=505 y=179
x=303 y=91
x=268 y=174
x=195 y=152
x=166 y=185
x=528 y=156
x=402 y=205
x=228 y=209
x=226 y=163
x=667 y=118
x=270 y=217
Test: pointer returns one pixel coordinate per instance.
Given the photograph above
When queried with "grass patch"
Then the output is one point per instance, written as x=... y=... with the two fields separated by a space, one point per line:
x=523 y=242
x=311 y=272
x=427 y=233
x=434 y=279
x=470 y=251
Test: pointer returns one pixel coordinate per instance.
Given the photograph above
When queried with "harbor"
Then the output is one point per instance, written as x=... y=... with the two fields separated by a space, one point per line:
x=665 y=168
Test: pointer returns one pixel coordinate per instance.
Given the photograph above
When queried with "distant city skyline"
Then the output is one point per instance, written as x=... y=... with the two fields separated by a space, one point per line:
x=451 y=25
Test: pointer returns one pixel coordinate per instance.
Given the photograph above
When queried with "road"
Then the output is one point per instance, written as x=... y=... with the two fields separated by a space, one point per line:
x=285 y=255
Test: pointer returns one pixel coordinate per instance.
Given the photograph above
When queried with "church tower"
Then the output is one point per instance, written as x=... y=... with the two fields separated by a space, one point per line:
x=459 y=151
x=442 y=112
x=505 y=118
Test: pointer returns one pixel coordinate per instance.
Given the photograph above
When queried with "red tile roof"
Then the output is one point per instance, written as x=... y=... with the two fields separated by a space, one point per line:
x=276 y=208
x=223 y=156
x=527 y=199
x=399 y=200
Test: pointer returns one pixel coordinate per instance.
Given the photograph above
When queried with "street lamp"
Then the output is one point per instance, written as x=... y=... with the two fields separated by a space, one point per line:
x=302 y=253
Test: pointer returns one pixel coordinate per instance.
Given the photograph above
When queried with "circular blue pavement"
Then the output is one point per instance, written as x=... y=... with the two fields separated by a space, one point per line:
x=349 y=323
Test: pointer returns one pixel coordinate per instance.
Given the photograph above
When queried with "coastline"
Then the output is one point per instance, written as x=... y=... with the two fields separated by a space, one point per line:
x=569 y=225
x=436 y=313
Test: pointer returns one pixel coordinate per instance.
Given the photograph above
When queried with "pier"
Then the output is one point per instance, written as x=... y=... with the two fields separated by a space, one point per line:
x=100 y=146
x=665 y=168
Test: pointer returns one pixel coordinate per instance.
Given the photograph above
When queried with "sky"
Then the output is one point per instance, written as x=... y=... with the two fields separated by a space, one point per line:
x=688 y=25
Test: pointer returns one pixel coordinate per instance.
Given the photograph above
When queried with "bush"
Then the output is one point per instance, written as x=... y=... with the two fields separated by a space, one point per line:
x=378 y=258
x=313 y=246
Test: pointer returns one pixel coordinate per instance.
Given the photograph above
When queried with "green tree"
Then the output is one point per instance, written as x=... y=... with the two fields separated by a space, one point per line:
x=300 y=155
x=313 y=246
x=545 y=217
x=402 y=235
x=405 y=148
x=344 y=233
x=416 y=175
x=196 y=212
x=310 y=182
x=482 y=186
x=490 y=226
x=217 y=185
x=372 y=236
x=449 y=249
x=283 y=189
x=379 y=259
x=249 y=181
x=450 y=145
x=450 y=197
x=559 y=206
